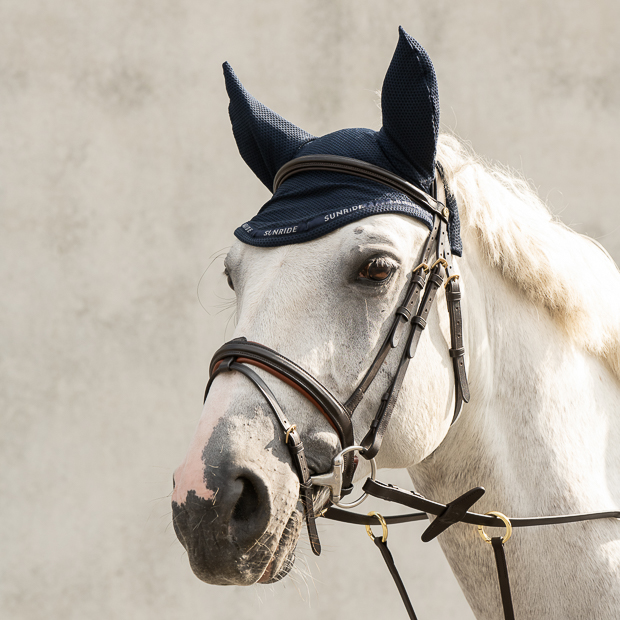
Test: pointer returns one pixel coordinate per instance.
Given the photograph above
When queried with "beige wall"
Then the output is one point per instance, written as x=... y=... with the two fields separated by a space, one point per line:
x=119 y=178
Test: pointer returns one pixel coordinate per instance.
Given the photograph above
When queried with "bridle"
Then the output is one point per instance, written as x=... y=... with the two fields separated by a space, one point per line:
x=434 y=269
x=426 y=278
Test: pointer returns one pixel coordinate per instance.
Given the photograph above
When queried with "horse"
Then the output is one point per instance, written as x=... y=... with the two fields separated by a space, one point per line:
x=541 y=430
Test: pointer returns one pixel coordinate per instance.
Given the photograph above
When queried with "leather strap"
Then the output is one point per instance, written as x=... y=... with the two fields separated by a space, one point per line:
x=403 y=316
x=355 y=518
x=291 y=373
x=416 y=501
x=373 y=439
x=286 y=370
x=457 y=350
x=453 y=512
x=357 y=168
x=502 y=575
x=453 y=300
x=389 y=561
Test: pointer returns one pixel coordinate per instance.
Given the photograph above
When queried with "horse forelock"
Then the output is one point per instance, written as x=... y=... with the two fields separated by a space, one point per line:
x=566 y=273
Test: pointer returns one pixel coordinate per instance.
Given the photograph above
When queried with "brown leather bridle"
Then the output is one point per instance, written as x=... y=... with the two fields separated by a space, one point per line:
x=435 y=263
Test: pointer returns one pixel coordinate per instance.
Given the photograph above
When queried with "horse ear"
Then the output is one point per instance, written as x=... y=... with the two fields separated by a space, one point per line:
x=265 y=140
x=410 y=107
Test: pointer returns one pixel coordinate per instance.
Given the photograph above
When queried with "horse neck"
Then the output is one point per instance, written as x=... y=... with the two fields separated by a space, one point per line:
x=541 y=434
x=538 y=431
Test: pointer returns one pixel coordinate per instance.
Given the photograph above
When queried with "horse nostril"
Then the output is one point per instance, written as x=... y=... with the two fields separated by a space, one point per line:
x=247 y=504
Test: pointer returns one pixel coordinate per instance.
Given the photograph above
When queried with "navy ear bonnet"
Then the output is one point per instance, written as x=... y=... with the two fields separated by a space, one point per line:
x=311 y=204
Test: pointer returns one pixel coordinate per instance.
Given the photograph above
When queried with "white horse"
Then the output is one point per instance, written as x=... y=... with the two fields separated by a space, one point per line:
x=541 y=432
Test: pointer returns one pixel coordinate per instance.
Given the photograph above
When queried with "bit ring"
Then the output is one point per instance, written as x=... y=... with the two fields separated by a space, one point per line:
x=373 y=474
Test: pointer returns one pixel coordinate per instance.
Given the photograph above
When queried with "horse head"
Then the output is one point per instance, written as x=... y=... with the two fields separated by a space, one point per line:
x=340 y=280
x=318 y=275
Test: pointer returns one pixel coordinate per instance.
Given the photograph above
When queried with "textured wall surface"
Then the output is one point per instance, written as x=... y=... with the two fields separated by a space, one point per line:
x=119 y=180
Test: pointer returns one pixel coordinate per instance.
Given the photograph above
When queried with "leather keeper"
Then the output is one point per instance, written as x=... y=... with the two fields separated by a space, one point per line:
x=225 y=364
x=457 y=352
x=403 y=312
x=418 y=279
x=295 y=448
x=346 y=491
x=453 y=295
x=418 y=320
x=435 y=278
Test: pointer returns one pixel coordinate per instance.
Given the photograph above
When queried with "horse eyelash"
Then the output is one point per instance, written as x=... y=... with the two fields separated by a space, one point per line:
x=229 y=280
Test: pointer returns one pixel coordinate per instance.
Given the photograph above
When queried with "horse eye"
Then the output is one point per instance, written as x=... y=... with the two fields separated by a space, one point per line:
x=377 y=270
x=229 y=280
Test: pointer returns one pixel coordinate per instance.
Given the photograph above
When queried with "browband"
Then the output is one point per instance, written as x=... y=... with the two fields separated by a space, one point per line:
x=364 y=170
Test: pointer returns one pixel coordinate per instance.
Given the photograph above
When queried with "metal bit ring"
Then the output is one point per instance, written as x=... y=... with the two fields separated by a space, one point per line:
x=373 y=474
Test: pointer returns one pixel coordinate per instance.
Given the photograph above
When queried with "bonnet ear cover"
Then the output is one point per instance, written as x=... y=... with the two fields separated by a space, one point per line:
x=266 y=141
x=311 y=204
x=410 y=107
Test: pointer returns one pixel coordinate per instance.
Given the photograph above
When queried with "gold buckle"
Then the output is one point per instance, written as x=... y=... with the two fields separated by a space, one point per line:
x=456 y=276
x=422 y=266
x=291 y=428
x=441 y=261
x=383 y=527
x=506 y=521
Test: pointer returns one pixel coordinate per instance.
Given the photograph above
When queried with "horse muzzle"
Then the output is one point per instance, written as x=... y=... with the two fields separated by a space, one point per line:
x=231 y=538
x=235 y=503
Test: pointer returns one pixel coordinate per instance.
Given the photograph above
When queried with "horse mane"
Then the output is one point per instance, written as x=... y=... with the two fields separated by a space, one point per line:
x=568 y=274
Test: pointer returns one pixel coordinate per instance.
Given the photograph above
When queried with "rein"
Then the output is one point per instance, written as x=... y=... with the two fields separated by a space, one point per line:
x=434 y=266
x=457 y=511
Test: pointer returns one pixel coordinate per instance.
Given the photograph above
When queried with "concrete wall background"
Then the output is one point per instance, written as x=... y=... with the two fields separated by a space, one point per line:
x=119 y=179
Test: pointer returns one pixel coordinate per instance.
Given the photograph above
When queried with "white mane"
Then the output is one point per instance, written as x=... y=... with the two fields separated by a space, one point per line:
x=556 y=268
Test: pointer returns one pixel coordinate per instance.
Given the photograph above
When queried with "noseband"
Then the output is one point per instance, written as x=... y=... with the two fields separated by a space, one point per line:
x=409 y=319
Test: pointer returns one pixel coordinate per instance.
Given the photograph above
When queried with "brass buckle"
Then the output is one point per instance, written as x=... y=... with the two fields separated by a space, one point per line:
x=290 y=429
x=507 y=523
x=384 y=527
x=456 y=276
